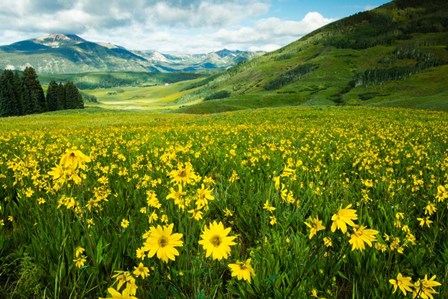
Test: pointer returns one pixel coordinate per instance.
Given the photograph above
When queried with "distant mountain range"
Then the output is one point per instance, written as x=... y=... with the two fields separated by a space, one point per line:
x=68 y=53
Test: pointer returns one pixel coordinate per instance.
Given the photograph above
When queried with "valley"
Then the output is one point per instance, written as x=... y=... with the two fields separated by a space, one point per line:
x=158 y=98
x=393 y=56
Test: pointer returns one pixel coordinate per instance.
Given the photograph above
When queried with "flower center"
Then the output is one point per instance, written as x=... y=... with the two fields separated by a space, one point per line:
x=215 y=240
x=163 y=241
x=182 y=173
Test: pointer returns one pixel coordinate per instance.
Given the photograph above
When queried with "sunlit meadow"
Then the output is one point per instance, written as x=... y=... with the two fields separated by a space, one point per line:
x=269 y=203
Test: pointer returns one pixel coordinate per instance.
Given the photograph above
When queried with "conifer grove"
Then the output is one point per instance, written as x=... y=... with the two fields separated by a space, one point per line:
x=23 y=94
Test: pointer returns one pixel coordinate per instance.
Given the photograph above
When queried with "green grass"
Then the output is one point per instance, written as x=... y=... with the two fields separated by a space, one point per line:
x=389 y=164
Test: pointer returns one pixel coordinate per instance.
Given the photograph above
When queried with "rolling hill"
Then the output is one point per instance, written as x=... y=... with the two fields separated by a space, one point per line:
x=395 y=55
x=68 y=53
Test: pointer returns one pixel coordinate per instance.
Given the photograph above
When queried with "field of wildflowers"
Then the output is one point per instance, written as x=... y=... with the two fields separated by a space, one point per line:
x=269 y=203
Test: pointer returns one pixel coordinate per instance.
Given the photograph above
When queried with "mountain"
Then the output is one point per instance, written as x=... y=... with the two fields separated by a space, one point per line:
x=222 y=59
x=68 y=53
x=395 y=55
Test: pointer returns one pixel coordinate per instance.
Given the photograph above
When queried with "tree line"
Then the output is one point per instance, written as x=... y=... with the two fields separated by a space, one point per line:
x=290 y=76
x=23 y=94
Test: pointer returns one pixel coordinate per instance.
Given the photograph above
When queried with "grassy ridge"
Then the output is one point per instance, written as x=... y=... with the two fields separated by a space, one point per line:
x=390 y=56
x=263 y=173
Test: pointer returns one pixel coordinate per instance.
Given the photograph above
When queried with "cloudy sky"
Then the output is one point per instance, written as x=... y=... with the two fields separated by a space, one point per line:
x=188 y=26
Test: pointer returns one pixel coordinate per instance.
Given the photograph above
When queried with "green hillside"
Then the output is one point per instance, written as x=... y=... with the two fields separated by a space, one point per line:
x=395 y=55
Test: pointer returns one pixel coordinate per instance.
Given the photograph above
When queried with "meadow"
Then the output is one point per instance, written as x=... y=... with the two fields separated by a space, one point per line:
x=337 y=202
x=157 y=98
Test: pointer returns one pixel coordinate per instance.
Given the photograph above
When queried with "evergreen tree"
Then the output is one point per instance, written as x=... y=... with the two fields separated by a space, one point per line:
x=9 y=96
x=2 y=104
x=61 y=97
x=19 y=92
x=416 y=3
x=33 y=95
x=73 y=98
x=53 y=95
x=24 y=95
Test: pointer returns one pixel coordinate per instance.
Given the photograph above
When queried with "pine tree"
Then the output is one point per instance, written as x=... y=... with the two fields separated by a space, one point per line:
x=19 y=92
x=2 y=104
x=52 y=96
x=73 y=98
x=9 y=96
x=33 y=95
x=61 y=97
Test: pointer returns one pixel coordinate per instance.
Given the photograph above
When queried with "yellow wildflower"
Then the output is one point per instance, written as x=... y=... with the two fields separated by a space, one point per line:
x=402 y=282
x=140 y=253
x=425 y=221
x=73 y=159
x=362 y=235
x=163 y=242
x=242 y=270
x=216 y=242
x=79 y=250
x=315 y=226
x=184 y=174
x=204 y=195
x=234 y=177
x=399 y=215
x=328 y=242
x=430 y=209
x=141 y=270
x=228 y=213
x=196 y=214
x=268 y=207
x=153 y=217
x=79 y=261
x=343 y=218
x=442 y=193
x=124 y=223
x=117 y=295
x=425 y=288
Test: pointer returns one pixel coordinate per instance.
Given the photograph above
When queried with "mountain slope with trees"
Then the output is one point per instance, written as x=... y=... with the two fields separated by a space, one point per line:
x=395 y=55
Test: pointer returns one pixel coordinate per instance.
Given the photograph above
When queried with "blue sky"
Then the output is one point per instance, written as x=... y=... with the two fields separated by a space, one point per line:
x=329 y=8
x=186 y=26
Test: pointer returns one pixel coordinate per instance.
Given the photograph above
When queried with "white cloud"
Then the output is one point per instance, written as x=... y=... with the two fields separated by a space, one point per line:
x=265 y=34
x=64 y=21
x=204 y=14
x=193 y=26
x=369 y=7
x=271 y=33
